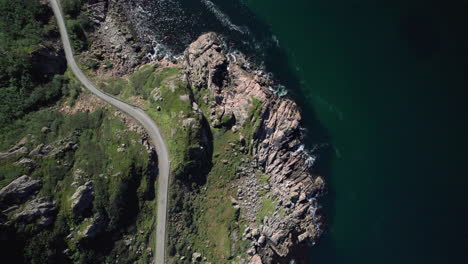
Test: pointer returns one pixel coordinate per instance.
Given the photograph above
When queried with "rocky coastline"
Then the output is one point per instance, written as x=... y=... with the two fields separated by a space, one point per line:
x=231 y=88
x=277 y=149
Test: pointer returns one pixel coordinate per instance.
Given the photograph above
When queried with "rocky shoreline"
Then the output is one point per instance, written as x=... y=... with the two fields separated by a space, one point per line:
x=276 y=146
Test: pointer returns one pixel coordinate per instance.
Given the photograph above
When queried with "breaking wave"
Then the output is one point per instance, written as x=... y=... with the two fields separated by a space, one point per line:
x=223 y=18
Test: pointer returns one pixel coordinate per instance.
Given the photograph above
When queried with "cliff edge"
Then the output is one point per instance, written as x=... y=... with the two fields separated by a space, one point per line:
x=276 y=147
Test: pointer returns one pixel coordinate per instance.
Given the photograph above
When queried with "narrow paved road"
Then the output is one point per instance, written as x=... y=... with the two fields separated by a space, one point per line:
x=146 y=121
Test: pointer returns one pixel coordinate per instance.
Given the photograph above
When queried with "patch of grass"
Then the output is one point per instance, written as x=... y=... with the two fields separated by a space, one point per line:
x=166 y=92
x=113 y=86
x=253 y=121
x=149 y=77
x=9 y=172
x=262 y=178
x=267 y=209
x=168 y=103
x=218 y=219
x=211 y=219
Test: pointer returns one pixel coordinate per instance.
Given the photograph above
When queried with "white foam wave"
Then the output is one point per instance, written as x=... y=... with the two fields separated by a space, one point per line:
x=223 y=18
x=160 y=52
x=275 y=39
x=279 y=90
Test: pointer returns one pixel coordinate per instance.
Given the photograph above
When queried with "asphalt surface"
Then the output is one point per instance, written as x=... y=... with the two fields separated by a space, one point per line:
x=146 y=121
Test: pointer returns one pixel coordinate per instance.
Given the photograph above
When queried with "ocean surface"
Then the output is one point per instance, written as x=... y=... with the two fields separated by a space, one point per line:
x=382 y=85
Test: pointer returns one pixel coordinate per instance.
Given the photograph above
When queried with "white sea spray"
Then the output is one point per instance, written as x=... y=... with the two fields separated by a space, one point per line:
x=160 y=51
x=223 y=18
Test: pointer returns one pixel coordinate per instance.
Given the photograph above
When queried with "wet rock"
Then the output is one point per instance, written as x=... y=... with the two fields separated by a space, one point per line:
x=302 y=237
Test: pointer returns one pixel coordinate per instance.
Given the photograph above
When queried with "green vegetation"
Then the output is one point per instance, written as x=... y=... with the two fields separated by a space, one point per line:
x=77 y=23
x=163 y=90
x=262 y=178
x=71 y=7
x=123 y=193
x=267 y=209
x=24 y=25
x=218 y=223
x=25 y=28
x=113 y=86
x=204 y=160
x=262 y=181
x=104 y=151
x=253 y=121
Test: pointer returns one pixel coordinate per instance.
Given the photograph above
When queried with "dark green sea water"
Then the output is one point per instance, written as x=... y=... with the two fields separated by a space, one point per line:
x=384 y=82
x=387 y=81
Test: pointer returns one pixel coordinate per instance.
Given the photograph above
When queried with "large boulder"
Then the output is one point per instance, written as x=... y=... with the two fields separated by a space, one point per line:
x=196 y=257
x=96 y=227
x=82 y=199
x=27 y=163
x=255 y=260
x=40 y=209
x=19 y=190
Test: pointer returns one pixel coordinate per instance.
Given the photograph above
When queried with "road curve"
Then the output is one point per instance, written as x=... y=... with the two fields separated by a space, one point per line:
x=146 y=121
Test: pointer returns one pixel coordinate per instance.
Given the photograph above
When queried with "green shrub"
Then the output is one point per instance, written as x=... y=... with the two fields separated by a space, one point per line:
x=71 y=7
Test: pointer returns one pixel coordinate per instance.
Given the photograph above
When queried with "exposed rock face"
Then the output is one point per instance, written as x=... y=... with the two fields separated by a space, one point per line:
x=82 y=199
x=255 y=260
x=40 y=210
x=277 y=147
x=41 y=149
x=95 y=228
x=196 y=257
x=19 y=190
x=13 y=152
x=114 y=43
x=27 y=163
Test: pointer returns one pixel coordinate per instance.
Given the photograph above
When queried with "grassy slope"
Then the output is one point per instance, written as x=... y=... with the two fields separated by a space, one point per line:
x=98 y=135
x=27 y=105
x=210 y=218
